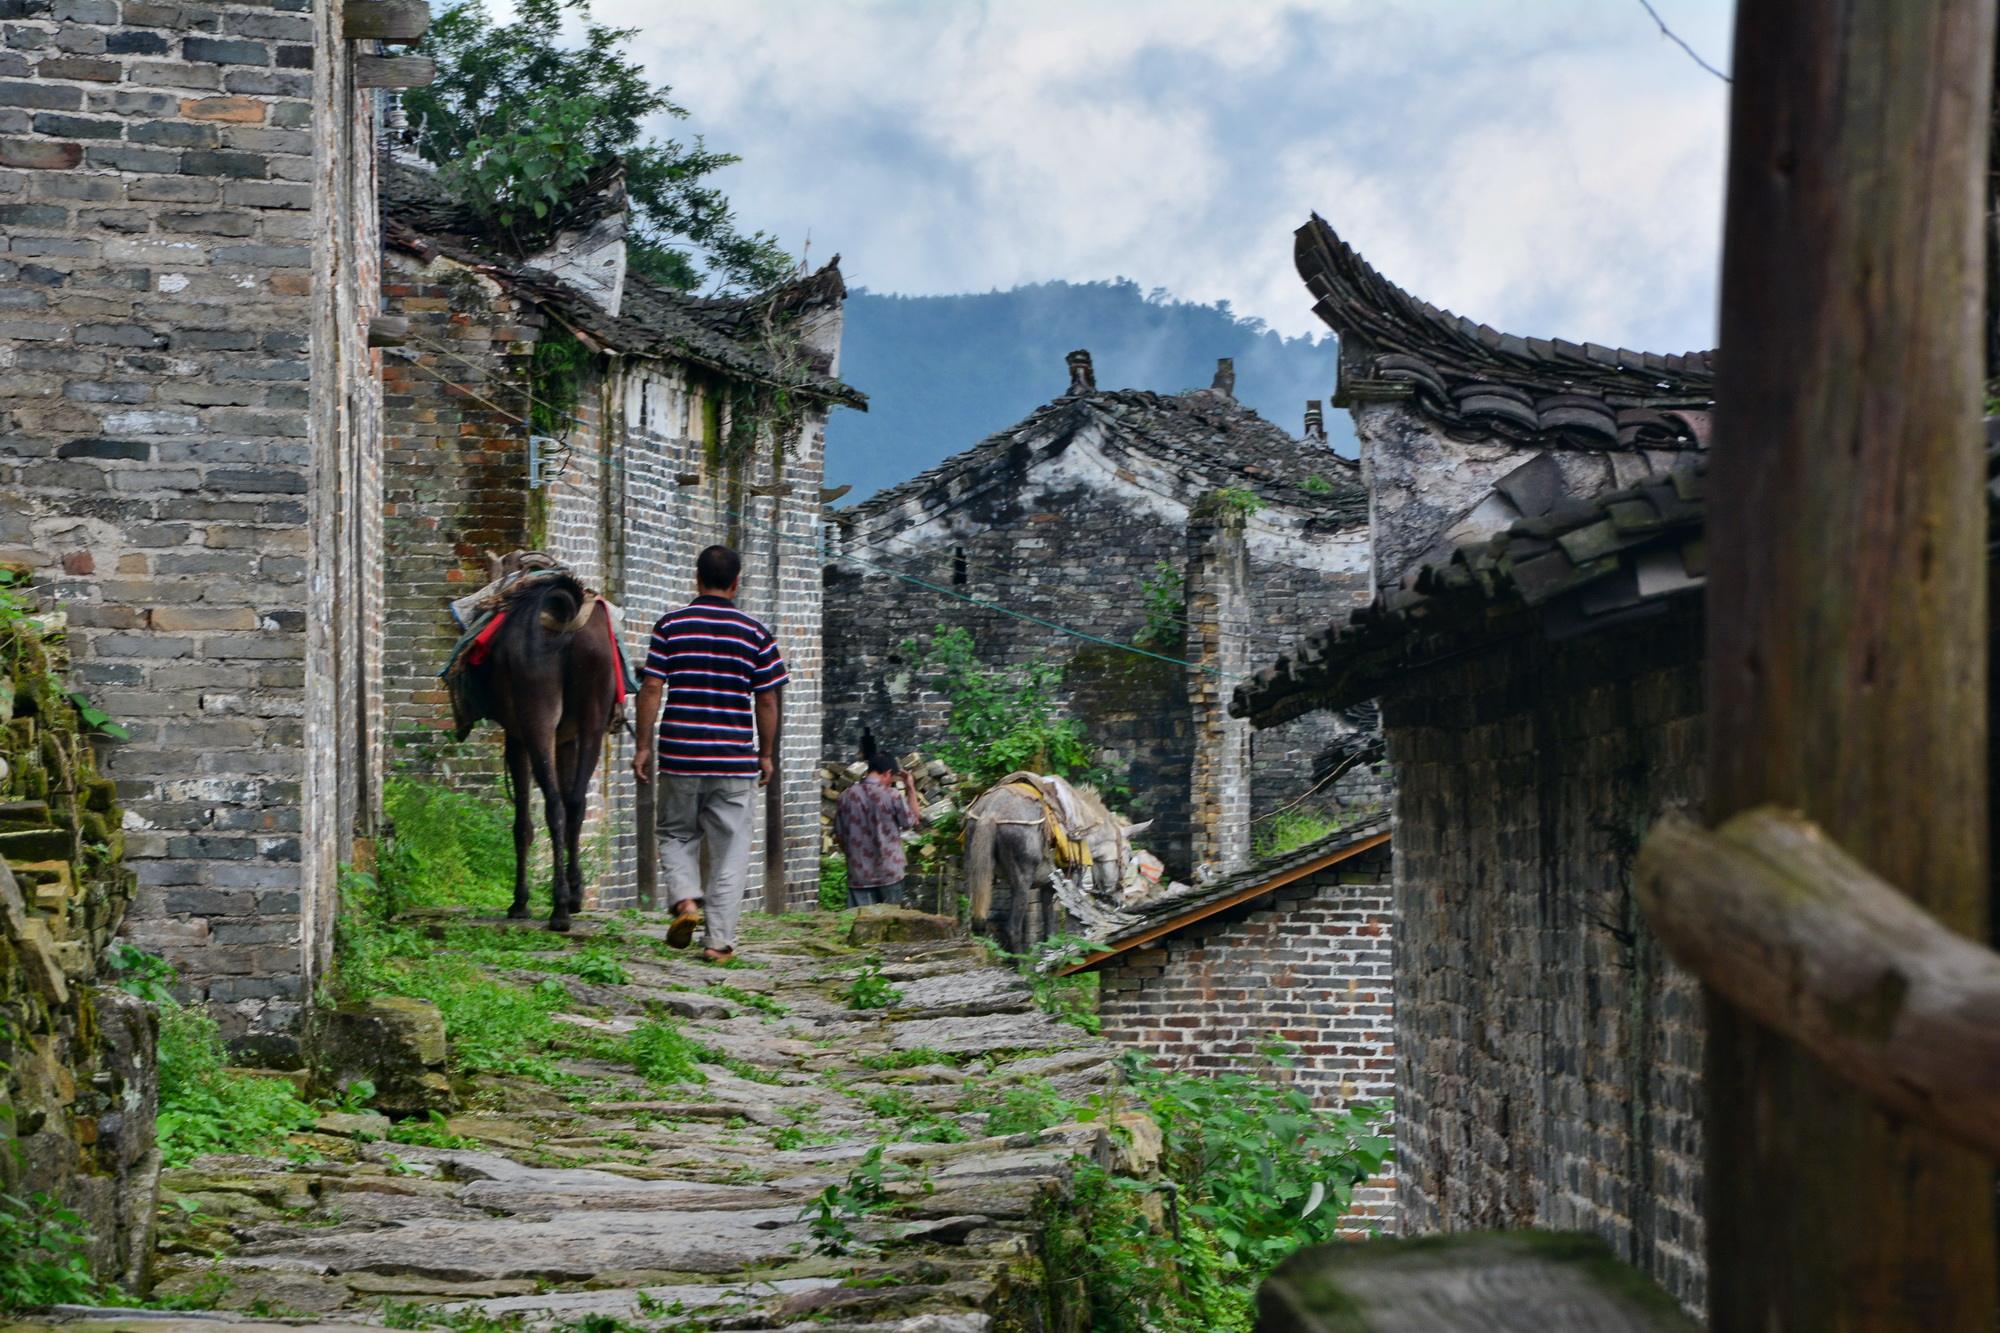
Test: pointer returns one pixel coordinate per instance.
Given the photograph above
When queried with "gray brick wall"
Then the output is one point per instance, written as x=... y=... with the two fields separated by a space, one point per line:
x=1549 y=1055
x=182 y=386
x=1074 y=540
x=1310 y=963
x=454 y=487
x=640 y=495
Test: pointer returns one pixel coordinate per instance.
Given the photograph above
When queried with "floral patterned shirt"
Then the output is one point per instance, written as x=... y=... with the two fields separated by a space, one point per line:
x=868 y=823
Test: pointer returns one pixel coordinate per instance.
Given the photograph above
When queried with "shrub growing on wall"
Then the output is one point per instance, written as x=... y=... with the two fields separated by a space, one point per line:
x=1001 y=721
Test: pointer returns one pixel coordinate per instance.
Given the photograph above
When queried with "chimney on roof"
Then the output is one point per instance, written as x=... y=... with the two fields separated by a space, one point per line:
x=1315 y=422
x=1082 y=379
x=1225 y=376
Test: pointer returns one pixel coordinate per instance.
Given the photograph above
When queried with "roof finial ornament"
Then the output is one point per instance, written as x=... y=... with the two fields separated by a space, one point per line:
x=1082 y=379
x=1315 y=422
x=1225 y=376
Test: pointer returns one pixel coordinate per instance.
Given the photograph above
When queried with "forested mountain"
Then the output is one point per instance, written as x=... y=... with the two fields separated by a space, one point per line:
x=944 y=372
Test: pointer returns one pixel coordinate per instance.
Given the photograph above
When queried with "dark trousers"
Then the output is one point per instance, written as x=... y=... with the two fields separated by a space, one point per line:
x=891 y=894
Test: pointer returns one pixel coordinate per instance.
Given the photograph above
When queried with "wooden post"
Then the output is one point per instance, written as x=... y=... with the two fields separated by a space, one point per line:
x=774 y=829
x=394 y=71
x=385 y=20
x=1847 y=620
x=644 y=814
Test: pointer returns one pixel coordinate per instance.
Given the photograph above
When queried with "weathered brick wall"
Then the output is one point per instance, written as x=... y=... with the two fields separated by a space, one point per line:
x=454 y=487
x=680 y=496
x=1072 y=540
x=1310 y=963
x=642 y=490
x=343 y=723
x=1218 y=609
x=1549 y=1055
x=164 y=442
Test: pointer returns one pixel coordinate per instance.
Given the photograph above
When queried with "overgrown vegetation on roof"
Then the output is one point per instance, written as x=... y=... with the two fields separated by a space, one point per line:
x=525 y=113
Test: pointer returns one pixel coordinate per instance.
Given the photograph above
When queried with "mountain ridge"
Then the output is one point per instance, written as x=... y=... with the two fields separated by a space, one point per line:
x=944 y=372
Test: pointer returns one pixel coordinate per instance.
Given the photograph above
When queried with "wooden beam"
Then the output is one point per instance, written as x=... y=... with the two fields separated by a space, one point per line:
x=385 y=20
x=1847 y=626
x=394 y=71
x=1772 y=915
x=1257 y=890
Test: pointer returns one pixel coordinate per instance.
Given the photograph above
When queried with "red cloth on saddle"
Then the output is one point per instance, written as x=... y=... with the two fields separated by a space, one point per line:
x=482 y=644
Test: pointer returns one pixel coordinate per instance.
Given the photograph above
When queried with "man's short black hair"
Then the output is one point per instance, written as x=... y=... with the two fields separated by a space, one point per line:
x=880 y=762
x=718 y=567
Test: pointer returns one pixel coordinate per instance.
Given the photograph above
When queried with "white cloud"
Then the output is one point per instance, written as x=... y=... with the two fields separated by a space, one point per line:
x=1548 y=166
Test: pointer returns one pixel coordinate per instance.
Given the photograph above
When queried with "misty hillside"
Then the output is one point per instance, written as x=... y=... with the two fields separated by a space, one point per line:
x=943 y=372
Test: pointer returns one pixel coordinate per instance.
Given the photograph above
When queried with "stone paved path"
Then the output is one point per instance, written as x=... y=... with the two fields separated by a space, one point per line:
x=680 y=1207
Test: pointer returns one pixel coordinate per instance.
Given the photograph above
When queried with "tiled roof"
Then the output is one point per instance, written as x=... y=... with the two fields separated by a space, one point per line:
x=723 y=334
x=1478 y=382
x=1579 y=566
x=1212 y=440
x=1160 y=916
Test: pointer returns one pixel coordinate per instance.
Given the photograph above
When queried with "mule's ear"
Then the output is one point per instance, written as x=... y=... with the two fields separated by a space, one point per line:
x=1134 y=830
x=492 y=566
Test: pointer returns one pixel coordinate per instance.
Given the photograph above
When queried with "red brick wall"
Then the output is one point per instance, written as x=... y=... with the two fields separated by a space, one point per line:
x=1309 y=963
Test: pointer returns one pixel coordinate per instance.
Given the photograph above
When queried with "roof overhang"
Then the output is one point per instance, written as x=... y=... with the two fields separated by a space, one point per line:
x=1257 y=888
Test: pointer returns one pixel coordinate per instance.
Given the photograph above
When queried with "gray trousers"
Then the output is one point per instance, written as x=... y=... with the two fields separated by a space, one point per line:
x=892 y=894
x=709 y=815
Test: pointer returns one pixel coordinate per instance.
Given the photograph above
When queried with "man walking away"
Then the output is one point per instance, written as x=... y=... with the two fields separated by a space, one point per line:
x=723 y=679
x=868 y=823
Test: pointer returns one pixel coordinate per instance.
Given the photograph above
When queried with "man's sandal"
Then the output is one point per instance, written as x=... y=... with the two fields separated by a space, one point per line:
x=719 y=955
x=681 y=933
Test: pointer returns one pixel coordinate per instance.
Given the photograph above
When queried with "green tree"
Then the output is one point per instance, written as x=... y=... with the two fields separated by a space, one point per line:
x=1001 y=721
x=520 y=120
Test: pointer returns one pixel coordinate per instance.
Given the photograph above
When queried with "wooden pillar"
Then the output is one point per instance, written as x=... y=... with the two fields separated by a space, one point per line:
x=644 y=814
x=1847 y=619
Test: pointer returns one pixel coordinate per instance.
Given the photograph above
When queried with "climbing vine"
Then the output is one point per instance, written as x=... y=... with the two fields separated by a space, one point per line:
x=555 y=381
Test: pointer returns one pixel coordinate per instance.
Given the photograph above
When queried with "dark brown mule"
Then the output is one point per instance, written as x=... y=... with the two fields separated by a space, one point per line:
x=553 y=681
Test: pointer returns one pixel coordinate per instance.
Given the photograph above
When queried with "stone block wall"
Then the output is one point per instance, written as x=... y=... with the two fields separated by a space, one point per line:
x=1549 y=1055
x=78 y=1083
x=1309 y=963
x=164 y=444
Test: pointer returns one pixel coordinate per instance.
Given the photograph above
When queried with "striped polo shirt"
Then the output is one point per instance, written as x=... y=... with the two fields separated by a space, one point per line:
x=713 y=658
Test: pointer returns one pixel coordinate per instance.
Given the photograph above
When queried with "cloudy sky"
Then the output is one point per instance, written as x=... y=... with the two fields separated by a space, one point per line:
x=1552 y=167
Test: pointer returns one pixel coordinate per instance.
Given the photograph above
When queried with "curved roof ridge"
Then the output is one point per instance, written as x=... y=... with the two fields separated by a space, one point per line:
x=1471 y=376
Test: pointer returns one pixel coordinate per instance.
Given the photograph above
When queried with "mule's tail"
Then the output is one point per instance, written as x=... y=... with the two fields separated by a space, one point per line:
x=981 y=841
x=561 y=607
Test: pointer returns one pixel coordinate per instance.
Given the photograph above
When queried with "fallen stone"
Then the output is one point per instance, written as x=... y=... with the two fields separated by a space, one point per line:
x=965 y=994
x=573 y=1246
x=391 y=1041
x=353 y=1125
x=399 y=1284
x=979 y=1035
x=686 y=1005
x=618 y=1026
x=572 y=1305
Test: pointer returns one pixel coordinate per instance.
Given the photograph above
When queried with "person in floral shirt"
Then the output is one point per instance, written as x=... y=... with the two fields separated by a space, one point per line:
x=868 y=823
